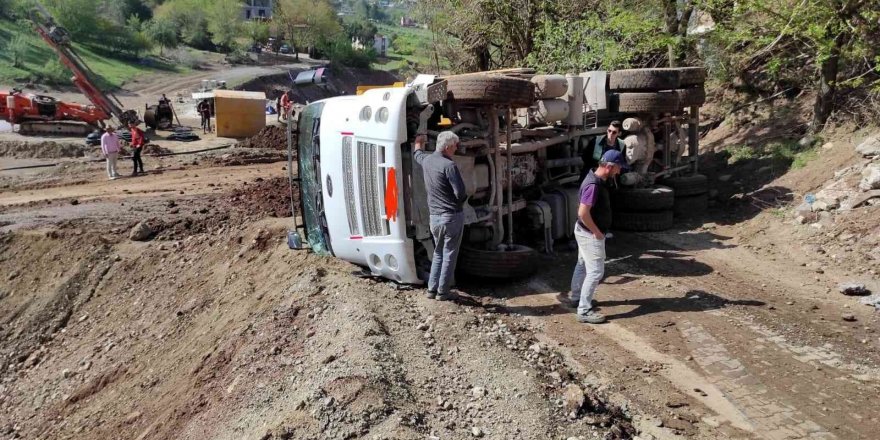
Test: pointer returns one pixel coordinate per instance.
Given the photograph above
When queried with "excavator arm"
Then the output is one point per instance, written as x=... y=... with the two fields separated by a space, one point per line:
x=59 y=40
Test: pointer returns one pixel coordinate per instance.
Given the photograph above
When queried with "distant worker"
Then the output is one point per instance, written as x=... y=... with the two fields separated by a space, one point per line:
x=278 y=105
x=285 y=105
x=137 y=147
x=164 y=100
x=594 y=220
x=610 y=141
x=446 y=196
x=110 y=148
x=204 y=109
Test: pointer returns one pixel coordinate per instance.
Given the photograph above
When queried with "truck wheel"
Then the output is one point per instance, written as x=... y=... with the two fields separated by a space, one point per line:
x=688 y=185
x=691 y=76
x=517 y=262
x=644 y=79
x=642 y=221
x=691 y=206
x=656 y=102
x=692 y=97
x=491 y=89
x=643 y=199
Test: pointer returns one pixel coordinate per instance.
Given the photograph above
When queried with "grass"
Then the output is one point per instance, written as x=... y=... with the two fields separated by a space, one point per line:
x=410 y=48
x=787 y=154
x=39 y=61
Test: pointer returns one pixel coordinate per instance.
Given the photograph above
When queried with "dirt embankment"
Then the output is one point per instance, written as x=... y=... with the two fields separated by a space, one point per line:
x=226 y=333
x=341 y=80
x=46 y=149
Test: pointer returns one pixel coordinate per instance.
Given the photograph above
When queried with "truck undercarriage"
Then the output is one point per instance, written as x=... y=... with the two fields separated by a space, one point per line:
x=525 y=140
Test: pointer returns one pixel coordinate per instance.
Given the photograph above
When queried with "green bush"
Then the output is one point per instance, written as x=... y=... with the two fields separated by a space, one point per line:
x=16 y=49
x=340 y=51
x=54 y=73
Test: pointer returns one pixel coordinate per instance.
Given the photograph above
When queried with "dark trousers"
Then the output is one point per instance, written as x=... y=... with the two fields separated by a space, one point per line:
x=136 y=158
x=206 y=123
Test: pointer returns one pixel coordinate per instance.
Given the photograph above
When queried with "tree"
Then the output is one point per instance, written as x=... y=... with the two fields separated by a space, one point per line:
x=16 y=48
x=163 y=32
x=309 y=23
x=224 y=22
x=190 y=19
x=257 y=31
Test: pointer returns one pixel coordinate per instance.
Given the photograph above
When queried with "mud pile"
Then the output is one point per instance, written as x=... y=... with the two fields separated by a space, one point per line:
x=271 y=137
x=269 y=197
x=44 y=150
x=153 y=149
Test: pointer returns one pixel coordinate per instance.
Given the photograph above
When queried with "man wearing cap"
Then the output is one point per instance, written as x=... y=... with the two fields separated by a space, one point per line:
x=110 y=148
x=594 y=220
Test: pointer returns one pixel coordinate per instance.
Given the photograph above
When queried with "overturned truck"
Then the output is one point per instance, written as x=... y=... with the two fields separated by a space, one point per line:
x=526 y=140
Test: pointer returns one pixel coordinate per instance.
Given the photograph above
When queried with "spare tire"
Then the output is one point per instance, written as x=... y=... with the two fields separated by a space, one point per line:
x=642 y=221
x=656 y=102
x=691 y=76
x=692 y=97
x=517 y=262
x=491 y=89
x=644 y=79
x=655 y=198
x=691 y=206
x=688 y=185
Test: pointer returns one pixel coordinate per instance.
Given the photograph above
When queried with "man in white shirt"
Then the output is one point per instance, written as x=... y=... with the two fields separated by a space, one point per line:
x=110 y=148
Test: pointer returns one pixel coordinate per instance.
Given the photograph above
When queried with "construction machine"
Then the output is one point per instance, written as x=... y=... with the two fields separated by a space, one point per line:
x=37 y=114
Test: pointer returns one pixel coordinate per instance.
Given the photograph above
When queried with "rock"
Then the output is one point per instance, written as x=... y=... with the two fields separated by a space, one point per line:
x=131 y=418
x=807 y=141
x=476 y=432
x=873 y=300
x=870 y=146
x=67 y=374
x=857 y=200
x=141 y=232
x=536 y=347
x=573 y=398
x=828 y=145
x=853 y=289
x=848 y=318
x=724 y=177
x=478 y=392
x=870 y=177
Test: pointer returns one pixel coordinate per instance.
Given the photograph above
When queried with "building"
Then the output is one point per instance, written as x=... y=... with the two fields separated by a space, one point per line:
x=257 y=9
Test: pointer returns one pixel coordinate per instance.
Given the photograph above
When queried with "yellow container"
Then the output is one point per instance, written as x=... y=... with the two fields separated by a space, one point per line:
x=239 y=114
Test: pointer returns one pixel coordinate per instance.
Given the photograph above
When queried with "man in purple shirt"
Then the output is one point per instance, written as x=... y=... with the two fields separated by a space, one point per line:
x=110 y=148
x=594 y=220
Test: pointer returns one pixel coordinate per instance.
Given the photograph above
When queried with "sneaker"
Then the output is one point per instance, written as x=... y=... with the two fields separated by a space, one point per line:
x=430 y=294
x=591 y=317
x=565 y=299
x=448 y=296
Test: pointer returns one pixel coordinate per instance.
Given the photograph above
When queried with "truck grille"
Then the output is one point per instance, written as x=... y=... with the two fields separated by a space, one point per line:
x=348 y=186
x=372 y=189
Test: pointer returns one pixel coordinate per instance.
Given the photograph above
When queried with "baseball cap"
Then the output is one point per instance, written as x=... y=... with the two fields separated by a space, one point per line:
x=615 y=157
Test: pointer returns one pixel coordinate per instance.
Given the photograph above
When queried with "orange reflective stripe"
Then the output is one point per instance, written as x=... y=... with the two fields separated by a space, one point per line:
x=391 y=195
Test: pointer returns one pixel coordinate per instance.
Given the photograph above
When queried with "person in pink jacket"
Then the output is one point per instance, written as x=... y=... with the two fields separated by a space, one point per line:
x=110 y=148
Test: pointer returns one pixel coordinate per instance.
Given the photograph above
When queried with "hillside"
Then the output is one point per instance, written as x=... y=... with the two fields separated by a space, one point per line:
x=38 y=64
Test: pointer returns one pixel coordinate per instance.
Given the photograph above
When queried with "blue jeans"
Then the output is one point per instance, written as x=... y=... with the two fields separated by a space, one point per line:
x=589 y=270
x=447 y=231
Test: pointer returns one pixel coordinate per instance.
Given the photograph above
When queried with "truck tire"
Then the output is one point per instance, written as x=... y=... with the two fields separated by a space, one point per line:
x=642 y=221
x=692 y=97
x=688 y=185
x=644 y=79
x=655 y=198
x=656 y=102
x=491 y=89
x=691 y=206
x=518 y=262
x=691 y=76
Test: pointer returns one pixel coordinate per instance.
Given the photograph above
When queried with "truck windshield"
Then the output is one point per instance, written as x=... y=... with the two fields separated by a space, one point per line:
x=309 y=153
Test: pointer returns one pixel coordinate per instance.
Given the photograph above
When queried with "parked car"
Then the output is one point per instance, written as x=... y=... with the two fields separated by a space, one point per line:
x=256 y=48
x=285 y=48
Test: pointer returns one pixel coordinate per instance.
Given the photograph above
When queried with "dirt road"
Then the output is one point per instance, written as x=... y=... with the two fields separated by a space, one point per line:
x=214 y=329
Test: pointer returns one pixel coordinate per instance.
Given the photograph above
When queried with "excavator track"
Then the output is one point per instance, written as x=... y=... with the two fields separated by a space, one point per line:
x=55 y=128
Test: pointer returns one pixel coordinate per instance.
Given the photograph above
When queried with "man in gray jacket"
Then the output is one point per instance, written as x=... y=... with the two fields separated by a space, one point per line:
x=446 y=196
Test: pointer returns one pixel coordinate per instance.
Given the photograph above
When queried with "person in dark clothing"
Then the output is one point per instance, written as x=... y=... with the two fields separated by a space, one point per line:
x=204 y=110
x=594 y=221
x=609 y=141
x=446 y=197
x=137 y=146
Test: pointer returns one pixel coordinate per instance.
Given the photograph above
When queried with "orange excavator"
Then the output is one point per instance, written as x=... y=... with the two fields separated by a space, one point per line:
x=38 y=114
